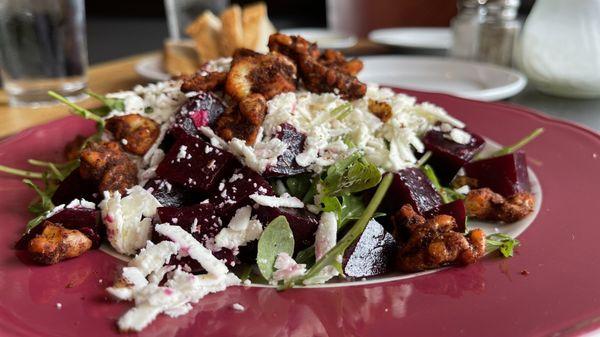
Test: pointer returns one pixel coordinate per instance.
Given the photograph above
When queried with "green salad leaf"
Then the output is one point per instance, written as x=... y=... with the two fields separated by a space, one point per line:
x=447 y=194
x=109 y=103
x=298 y=185
x=276 y=238
x=350 y=175
x=516 y=146
x=505 y=243
x=330 y=258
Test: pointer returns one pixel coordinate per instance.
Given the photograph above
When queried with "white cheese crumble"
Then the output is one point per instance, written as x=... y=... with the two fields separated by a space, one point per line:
x=238 y=307
x=286 y=268
x=189 y=246
x=465 y=189
x=81 y=203
x=239 y=231
x=128 y=220
x=325 y=240
x=459 y=136
x=285 y=200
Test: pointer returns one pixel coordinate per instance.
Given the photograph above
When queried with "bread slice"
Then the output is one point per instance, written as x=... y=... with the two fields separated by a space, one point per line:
x=205 y=30
x=255 y=23
x=232 y=32
x=180 y=57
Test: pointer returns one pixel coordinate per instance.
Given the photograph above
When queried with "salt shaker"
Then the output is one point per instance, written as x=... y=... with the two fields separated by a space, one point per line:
x=499 y=32
x=465 y=28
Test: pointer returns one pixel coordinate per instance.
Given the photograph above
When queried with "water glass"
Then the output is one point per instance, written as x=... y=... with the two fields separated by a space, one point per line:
x=42 y=48
x=180 y=13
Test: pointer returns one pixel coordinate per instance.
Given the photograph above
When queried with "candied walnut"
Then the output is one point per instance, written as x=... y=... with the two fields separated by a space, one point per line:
x=434 y=242
x=137 y=133
x=56 y=243
x=244 y=120
x=292 y=46
x=382 y=110
x=485 y=204
x=204 y=81
x=318 y=78
x=73 y=148
x=268 y=75
x=106 y=163
x=335 y=59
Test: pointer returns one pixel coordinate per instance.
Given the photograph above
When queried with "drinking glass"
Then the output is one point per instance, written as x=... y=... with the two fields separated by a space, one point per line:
x=42 y=48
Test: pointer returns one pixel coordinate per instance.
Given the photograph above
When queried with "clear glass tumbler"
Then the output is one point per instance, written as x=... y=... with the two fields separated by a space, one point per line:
x=42 y=48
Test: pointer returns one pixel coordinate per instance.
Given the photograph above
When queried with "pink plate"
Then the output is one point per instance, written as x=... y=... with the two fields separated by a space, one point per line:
x=551 y=287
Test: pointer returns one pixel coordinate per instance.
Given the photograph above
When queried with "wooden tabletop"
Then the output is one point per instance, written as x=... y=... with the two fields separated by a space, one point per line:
x=102 y=78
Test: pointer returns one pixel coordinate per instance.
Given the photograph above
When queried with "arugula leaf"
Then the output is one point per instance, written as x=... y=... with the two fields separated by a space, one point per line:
x=504 y=242
x=352 y=208
x=517 y=145
x=330 y=258
x=298 y=185
x=20 y=173
x=83 y=112
x=424 y=159
x=309 y=197
x=306 y=256
x=276 y=238
x=447 y=194
x=350 y=175
x=111 y=103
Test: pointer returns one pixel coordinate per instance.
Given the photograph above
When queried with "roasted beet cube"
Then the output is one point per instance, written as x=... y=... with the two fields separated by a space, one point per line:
x=85 y=220
x=235 y=191
x=75 y=187
x=201 y=221
x=200 y=110
x=303 y=223
x=195 y=165
x=506 y=175
x=371 y=254
x=410 y=186
x=167 y=194
x=286 y=163
x=455 y=209
x=448 y=156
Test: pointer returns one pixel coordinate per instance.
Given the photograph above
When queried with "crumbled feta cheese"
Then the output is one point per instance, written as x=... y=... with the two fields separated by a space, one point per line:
x=465 y=189
x=128 y=220
x=326 y=235
x=81 y=203
x=285 y=200
x=188 y=245
x=240 y=230
x=58 y=305
x=459 y=136
x=238 y=307
x=182 y=152
x=286 y=268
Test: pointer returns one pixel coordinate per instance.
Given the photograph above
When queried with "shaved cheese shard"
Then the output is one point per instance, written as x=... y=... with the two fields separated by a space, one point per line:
x=240 y=230
x=188 y=245
x=154 y=256
x=135 y=277
x=286 y=268
x=128 y=220
x=326 y=235
x=284 y=200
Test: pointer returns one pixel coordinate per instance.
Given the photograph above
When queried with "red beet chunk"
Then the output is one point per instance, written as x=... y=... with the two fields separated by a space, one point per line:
x=506 y=175
x=303 y=223
x=410 y=186
x=85 y=220
x=447 y=156
x=195 y=165
x=200 y=110
x=75 y=187
x=286 y=163
x=371 y=254
x=167 y=194
x=235 y=192
x=201 y=221
x=455 y=209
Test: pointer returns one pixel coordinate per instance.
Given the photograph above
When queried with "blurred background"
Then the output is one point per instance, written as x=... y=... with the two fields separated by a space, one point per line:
x=146 y=20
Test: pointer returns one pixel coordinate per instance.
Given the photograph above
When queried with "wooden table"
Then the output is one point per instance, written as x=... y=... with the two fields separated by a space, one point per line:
x=102 y=78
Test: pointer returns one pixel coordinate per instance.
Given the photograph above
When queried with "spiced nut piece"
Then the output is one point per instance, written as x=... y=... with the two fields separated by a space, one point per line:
x=485 y=204
x=244 y=120
x=203 y=81
x=137 y=133
x=107 y=164
x=56 y=243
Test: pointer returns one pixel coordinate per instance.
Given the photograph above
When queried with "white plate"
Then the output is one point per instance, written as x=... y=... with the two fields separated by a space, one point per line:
x=422 y=38
x=480 y=81
x=326 y=39
x=151 y=68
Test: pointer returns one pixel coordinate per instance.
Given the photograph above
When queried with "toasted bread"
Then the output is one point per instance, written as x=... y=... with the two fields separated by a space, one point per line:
x=205 y=31
x=180 y=57
x=232 y=32
x=257 y=27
